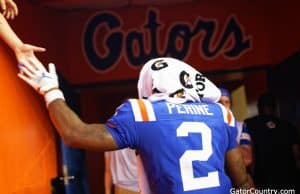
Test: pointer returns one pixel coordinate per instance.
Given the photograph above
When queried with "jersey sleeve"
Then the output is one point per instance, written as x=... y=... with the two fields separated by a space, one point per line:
x=122 y=128
x=245 y=138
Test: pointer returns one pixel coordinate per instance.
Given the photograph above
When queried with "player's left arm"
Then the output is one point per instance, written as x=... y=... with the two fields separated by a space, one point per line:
x=246 y=151
x=237 y=170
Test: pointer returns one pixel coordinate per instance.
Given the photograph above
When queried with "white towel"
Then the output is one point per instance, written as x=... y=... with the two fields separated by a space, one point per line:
x=162 y=78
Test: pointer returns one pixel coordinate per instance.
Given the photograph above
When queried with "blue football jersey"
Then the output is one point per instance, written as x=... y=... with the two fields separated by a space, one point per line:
x=182 y=146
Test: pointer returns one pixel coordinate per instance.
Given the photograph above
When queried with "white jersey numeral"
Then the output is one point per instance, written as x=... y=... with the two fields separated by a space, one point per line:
x=186 y=167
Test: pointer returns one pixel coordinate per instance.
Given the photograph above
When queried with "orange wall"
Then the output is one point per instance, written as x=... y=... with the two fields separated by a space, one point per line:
x=27 y=140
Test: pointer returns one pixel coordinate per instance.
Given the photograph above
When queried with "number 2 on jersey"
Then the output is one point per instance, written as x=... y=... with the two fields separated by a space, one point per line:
x=186 y=160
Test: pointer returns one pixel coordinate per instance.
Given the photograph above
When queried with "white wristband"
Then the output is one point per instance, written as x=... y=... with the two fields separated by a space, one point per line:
x=53 y=95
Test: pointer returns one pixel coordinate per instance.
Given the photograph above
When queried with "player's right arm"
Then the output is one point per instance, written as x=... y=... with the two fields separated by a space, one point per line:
x=236 y=169
x=77 y=133
x=71 y=128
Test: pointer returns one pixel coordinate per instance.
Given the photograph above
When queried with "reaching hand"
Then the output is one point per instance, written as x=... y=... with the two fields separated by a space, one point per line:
x=38 y=77
x=9 y=8
x=25 y=52
x=43 y=81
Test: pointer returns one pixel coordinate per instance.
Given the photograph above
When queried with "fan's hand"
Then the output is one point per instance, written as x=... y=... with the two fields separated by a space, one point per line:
x=9 y=9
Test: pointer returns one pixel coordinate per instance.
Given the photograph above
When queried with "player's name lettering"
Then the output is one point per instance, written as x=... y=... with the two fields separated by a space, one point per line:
x=188 y=109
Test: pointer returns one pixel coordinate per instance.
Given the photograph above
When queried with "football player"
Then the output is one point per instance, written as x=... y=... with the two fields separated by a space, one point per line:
x=183 y=142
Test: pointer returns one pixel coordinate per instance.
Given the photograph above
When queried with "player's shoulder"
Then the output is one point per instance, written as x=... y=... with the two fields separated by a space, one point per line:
x=142 y=109
x=228 y=116
x=135 y=102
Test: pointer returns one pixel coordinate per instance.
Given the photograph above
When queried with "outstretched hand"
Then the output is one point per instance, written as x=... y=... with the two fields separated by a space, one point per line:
x=25 y=52
x=36 y=75
x=43 y=81
x=9 y=9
